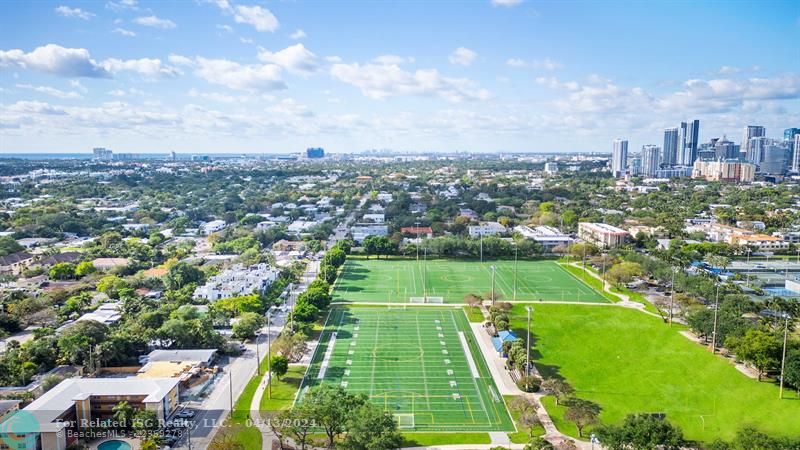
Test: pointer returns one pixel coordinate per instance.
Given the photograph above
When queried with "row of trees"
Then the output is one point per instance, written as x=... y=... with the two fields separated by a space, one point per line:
x=348 y=421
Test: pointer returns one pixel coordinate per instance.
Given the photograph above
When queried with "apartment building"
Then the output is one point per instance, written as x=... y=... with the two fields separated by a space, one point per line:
x=602 y=235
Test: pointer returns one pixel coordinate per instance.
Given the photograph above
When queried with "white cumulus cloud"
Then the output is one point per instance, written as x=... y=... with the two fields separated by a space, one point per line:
x=506 y=3
x=254 y=77
x=75 y=13
x=260 y=18
x=462 y=56
x=124 y=32
x=298 y=34
x=55 y=59
x=295 y=58
x=155 y=22
x=147 y=67
x=51 y=91
x=380 y=81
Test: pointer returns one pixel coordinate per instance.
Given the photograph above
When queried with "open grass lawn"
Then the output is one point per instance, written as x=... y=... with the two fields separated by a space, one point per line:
x=397 y=280
x=421 y=364
x=629 y=362
x=283 y=390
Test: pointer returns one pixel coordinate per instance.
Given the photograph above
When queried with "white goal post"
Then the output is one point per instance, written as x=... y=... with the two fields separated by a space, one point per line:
x=405 y=421
x=436 y=300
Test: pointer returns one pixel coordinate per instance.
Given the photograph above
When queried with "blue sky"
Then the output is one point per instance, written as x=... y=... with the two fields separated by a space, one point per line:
x=480 y=75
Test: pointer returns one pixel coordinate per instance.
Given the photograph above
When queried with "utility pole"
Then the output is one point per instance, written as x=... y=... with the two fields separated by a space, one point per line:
x=230 y=387
x=716 y=313
x=783 y=358
x=258 y=355
x=269 y=360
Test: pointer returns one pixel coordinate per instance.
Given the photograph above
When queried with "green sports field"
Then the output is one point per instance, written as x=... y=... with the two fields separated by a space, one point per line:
x=421 y=364
x=629 y=362
x=398 y=280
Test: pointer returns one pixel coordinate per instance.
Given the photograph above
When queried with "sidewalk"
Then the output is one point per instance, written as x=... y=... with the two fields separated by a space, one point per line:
x=625 y=301
x=506 y=386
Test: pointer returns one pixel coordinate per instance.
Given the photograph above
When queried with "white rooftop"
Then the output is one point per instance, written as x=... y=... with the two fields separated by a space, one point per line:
x=54 y=402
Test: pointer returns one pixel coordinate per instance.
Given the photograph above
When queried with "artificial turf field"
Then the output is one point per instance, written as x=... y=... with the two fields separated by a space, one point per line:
x=415 y=362
x=629 y=362
x=397 y=280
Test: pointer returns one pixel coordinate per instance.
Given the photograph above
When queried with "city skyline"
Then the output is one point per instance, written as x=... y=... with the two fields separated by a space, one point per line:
x=490 y=76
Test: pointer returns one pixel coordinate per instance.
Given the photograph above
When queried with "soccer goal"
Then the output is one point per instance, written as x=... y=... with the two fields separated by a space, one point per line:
x=439 y=300
x=405 y=421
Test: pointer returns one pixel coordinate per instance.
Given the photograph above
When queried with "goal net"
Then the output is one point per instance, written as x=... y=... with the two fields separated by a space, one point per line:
x=405 y=421
x=428 y=299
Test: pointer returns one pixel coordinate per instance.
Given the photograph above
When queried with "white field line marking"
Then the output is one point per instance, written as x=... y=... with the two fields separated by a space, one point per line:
x=472 y=367
x=325 y=359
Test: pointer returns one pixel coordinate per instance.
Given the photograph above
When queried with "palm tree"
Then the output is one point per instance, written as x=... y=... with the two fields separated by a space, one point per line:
x=123 y=413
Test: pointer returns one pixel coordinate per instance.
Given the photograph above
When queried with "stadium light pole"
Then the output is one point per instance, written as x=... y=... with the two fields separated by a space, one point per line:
x=481 y=235
x=494 y=269
x=783 y=357
x=748 y=265
x=528 y=354
x=425 y=276
x=516 y=252
x=672 y=296
x=716 y=314
x=417 y=226
x=584 y=260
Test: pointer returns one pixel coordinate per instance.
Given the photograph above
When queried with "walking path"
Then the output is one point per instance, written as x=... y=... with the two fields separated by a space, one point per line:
x=625 y=300
x=506 y=386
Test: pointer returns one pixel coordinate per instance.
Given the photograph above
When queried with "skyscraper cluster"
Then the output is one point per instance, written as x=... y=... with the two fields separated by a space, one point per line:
x=682 y=149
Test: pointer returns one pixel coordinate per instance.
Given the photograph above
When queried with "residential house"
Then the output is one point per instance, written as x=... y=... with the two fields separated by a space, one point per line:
x=486 y=229
x=15 y=262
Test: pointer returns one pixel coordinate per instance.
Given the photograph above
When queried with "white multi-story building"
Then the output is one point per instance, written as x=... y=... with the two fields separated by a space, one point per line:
x=212 y=226
x=551 y=168
x=238 y=280
x=619 y=157
x=360 y=231
x=602 y=234
x=651 y=160
x=375 y=218
x=486 y=229
x=547 y=237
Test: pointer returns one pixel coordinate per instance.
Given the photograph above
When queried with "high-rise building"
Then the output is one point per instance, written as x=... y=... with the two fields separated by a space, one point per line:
x=670 y=154
x=751 y=131
x=102 y=154
x=796 y=154
x=731 y=171
x=651 y=160
x=692 y=141
x=755 y=149
x=790 y=133
x=776 y=159
x=619 y=157
x=682 y=128
x=725 y=149
x=315 y=153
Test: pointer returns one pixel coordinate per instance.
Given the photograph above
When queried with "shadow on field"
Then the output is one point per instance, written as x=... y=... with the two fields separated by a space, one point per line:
x=546 y=371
